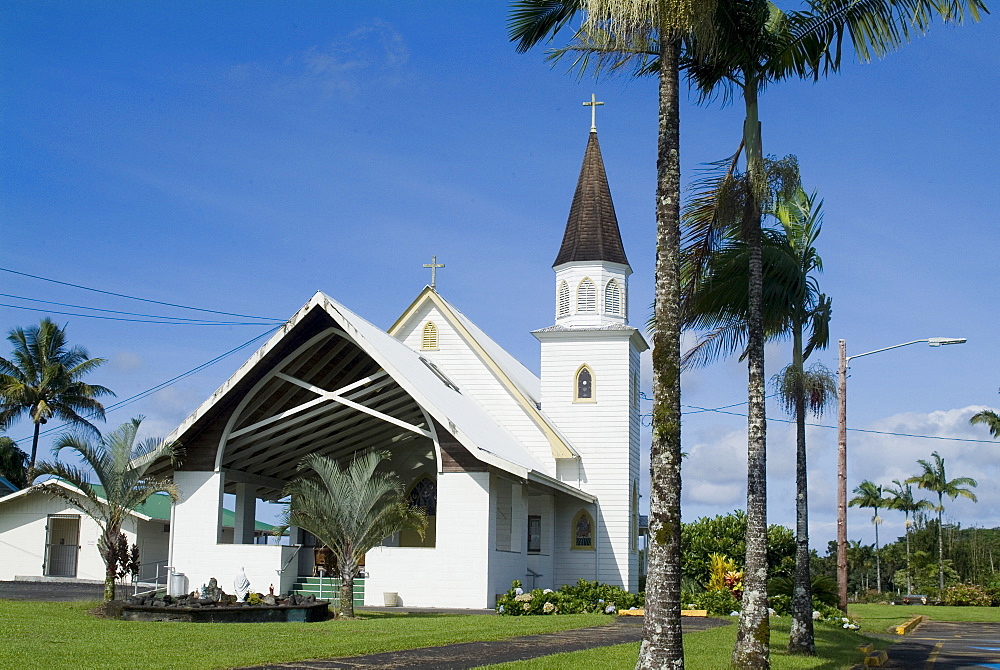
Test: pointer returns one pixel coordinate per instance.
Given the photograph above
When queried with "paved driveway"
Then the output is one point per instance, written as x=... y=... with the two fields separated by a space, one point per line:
x=936 y=645
x=51 y=591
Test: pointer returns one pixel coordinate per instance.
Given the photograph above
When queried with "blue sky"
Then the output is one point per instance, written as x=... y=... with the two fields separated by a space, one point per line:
x=238 y=157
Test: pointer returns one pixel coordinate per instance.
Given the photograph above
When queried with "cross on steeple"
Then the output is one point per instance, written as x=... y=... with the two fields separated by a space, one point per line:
x=434 y=265
x=593 y=111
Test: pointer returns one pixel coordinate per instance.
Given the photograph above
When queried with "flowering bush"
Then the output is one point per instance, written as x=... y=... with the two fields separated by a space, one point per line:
x=584 y=596
x=966 y=594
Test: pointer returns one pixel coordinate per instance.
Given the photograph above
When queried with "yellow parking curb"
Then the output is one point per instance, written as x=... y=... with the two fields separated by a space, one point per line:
x=907 y=626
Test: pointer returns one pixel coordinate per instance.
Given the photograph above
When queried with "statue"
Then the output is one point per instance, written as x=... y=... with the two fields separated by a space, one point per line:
x=241 y=585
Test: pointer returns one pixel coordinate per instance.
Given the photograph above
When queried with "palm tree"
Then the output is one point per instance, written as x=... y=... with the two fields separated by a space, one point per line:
x=750 y=45
x=119 y=464
x=350 y=510
x=635 y=33
x=718 y=302
x=44 y=380
x=901 y=499
x=13 y=463
x=988 y=418
x=933 y=478
x=868 y=494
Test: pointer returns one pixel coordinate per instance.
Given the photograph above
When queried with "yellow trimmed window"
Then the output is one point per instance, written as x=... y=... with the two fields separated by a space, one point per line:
x=583 y=532
x=584 y=387
x=562 y=299
x=586 y=296
x=429 y=339
x=613 y=298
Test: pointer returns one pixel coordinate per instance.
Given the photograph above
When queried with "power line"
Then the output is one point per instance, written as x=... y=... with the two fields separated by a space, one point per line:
x=162 y=385
x=160 y=320
x=132 y=297
x=166 y=319
x=856 y=430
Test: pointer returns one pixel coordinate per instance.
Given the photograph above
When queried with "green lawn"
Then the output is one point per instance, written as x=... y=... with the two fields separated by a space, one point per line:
x=709 y=650
x=64 y=635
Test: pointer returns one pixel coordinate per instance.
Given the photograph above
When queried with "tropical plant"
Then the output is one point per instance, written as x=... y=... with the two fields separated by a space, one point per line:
x=793 y=306
x=635 y=34
x=119 y=464
x=870 y=495
x=749 y=45
x=901 y=499
x=988 y=418
x=934 y=478
x=13 y=463
x=350 y=509
x=44 y=379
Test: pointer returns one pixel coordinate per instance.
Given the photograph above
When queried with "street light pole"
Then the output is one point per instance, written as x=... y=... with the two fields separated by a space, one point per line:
x=842 y=451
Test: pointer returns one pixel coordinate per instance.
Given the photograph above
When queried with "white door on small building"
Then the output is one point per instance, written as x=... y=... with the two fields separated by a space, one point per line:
x=62 y=545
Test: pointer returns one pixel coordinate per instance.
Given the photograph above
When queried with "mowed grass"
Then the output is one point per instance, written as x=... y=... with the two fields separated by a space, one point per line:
x=878 y=618
x=836 y=649
x=64 y=635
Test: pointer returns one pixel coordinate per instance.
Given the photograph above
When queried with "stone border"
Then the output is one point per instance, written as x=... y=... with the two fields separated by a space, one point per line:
x=907 y=626
x=318 y=611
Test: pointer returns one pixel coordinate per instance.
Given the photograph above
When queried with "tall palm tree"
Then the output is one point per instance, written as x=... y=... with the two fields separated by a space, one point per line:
x=44 y=379
x=901 y=499
x=636 y=33
x=793 y=307
x=119 y=464
x=13 y=462
x=870 y=495
x=350 y=509
x=933 y=478
x=988 y=418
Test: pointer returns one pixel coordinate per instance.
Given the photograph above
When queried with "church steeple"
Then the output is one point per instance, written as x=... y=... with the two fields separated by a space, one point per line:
x=592 y=228
x=591 y=268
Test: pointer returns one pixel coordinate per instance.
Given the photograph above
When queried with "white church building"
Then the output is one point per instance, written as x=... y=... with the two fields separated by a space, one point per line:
x=522 y=477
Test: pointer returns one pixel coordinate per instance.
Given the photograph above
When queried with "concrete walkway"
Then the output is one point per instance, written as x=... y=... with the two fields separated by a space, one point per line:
x=467 y=655
x=52 y=591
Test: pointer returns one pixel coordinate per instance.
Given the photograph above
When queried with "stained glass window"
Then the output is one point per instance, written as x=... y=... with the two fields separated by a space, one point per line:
x=424 y=495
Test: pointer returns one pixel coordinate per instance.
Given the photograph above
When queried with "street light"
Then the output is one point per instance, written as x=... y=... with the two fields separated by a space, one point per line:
x=842 y=452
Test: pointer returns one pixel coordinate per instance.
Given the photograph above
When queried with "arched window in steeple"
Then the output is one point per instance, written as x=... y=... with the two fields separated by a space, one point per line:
x=429 y=339
x=584 y=391
x=586 y=296
x=562 y=299
x=613 y=298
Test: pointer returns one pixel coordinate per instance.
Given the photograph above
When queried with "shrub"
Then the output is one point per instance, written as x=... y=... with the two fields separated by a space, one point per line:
x=718 y=603
x=966 y=594
x=579 y=598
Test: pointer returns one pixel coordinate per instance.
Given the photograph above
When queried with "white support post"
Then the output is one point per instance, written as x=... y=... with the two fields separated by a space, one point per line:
x=246 y=512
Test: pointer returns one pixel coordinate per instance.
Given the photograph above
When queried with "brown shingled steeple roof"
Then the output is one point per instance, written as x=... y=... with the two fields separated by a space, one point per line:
x=592 y=229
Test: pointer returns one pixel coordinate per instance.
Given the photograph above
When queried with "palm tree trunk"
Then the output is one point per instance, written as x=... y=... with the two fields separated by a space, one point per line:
x=348 y=568
x=909 y=568
x=878 y=556
x=940 y=548
x=34 y=445
x=802 y=638
x=661 y=636
x=753 y=637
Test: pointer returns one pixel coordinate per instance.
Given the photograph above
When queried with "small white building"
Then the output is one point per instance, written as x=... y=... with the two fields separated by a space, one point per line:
x=42 y=536
x=522 y=477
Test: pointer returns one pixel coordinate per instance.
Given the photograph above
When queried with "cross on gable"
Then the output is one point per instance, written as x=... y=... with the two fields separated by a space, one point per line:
x=434 y=265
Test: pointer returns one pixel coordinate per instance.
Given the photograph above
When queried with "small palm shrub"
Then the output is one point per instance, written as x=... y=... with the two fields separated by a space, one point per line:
x=966 y=594
x=579 y=598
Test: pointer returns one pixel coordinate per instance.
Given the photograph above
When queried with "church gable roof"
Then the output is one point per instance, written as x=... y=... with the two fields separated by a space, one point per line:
x=522 y=385
x=393 y=371
x=592 y=232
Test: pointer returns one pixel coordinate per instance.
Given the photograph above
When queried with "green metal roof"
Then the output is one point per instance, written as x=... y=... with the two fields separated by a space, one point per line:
x=157 y=506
